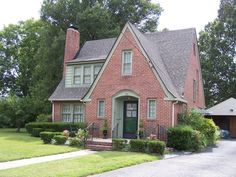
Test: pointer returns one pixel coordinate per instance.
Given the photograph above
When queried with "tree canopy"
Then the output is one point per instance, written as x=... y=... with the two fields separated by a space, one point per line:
x=217 y=44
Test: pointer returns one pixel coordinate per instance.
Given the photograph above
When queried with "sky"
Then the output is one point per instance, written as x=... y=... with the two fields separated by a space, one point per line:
x=177 y=14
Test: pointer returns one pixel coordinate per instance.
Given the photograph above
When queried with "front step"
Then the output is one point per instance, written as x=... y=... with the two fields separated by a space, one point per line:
x=99 y=145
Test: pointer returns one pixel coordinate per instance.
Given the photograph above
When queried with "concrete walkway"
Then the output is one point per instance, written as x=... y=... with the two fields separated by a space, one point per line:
x=35 y=160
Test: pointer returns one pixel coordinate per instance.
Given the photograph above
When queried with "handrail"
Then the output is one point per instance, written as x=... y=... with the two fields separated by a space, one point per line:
x=88 y=127
x=115 y=129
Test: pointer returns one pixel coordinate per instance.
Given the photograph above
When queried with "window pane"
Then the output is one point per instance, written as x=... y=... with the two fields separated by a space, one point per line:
x=77 y=71
x=77 y=75
x=152 y=109
x=127 y=62
x=87 y=75
x=77 y=79
x=66 y=115
x=101 y=108
x=96 y=70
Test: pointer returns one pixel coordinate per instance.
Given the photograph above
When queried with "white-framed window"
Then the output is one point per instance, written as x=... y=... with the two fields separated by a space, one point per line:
x=101 y=109
x=151 y=112
x=66 y=113
x=96 y=70
x=87 y=74
x=127 y=62
x=78 y=113
x=72 y=112
x=77 y=75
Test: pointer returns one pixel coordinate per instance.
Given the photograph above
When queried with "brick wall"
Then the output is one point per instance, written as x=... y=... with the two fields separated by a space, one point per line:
x=57 y=111
x=142 y=81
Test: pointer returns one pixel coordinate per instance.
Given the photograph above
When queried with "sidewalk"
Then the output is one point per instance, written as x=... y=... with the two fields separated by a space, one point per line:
x=35 y=160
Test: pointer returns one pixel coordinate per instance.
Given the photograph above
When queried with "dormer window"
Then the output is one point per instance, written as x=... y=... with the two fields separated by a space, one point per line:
x=127 y=63
x=87 y=74
x=77 y=75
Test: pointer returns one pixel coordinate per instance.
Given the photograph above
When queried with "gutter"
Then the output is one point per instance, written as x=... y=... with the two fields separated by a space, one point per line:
x=173 y=113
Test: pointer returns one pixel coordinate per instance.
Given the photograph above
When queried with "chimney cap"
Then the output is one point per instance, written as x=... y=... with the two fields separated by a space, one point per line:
x=73 y=27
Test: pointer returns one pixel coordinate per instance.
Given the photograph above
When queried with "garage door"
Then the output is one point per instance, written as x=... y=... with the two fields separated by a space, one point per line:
x=233 y=127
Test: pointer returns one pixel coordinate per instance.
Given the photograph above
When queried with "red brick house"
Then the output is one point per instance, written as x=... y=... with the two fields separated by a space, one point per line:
x=136 y=76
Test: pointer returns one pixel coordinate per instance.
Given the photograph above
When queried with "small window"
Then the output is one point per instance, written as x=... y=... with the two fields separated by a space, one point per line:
x=151 y=109
x=194 y=90
x=66 y=113
x=127 y=63
x=78 y=113
x=77 y=75
x=101 y=108
x=87 y=74
x=96 y=70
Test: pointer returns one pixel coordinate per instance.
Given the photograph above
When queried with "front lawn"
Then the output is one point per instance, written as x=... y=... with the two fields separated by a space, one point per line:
x=81 y=166
x=15 y=146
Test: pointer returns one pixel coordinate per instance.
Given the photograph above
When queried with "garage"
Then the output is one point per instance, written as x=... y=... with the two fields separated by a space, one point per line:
x=224 y=115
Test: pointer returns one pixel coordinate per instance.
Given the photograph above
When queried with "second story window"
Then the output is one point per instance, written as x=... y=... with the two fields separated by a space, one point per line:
x=126 y=63
x=96 y=70
x=77 y=75
x=87 y=74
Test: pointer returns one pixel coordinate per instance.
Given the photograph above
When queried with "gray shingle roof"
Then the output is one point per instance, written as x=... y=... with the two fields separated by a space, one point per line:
x=168 y=51
x=65 y=93
x=95 y=50
x=225 y=108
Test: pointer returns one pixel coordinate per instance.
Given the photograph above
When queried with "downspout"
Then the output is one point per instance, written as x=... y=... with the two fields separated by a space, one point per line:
x=52 y=111
x=173 y=113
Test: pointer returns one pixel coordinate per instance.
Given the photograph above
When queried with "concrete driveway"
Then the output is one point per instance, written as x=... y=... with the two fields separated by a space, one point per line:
x=219 y=161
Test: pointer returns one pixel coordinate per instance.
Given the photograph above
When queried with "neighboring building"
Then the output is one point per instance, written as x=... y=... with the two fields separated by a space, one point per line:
x=150 y=77
x=224 y=115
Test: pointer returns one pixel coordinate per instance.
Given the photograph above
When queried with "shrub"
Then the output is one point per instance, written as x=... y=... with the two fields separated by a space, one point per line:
x=118 y=144
x=156 y=146
x=138 y=145
x=48 y=136
x=183 y=138
x=72 y=134
x=36 y=132
x=75 y=142
x=55 y=126
x=60 y=139
x=196 y=120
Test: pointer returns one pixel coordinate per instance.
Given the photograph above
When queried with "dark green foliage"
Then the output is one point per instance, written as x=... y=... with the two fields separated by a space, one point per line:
x=185 y=138
x=118 y=144
x=36 y=132
x=138 y=145
x=156 y=146
x=44 y=118
x=217 y=43
x=76 y=142
x=206 y=127
x=60 y=139
x=48 y=136
x=56 y=126
x=72 y=134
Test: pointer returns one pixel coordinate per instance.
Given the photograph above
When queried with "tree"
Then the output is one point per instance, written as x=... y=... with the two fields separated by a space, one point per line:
x=217 y=44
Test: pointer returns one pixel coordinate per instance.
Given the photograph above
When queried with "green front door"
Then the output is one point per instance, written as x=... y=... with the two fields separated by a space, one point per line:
x=130 y=119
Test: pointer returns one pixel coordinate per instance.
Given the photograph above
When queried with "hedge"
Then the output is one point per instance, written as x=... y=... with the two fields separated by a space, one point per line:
x=184 y=138
x=55 y=126
x=60 y=139
x=36 y=132
x=48 y=136
x=156 y=146
x=118 y=144
x=138 y=145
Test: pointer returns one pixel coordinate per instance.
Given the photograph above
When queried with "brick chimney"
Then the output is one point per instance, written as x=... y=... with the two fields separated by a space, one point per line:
x=71 y=46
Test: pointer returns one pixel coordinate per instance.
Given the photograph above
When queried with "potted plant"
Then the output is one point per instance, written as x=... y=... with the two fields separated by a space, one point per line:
x=105 y=129
x=141 y=129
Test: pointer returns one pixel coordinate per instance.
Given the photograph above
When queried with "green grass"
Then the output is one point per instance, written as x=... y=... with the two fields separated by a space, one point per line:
x=81 y=166
x=15 y=146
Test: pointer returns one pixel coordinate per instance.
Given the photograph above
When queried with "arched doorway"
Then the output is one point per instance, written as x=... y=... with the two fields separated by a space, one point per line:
x=125 y=114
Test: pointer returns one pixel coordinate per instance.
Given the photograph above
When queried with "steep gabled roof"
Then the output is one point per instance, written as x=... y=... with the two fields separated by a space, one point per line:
x=225 y=108
x=168 y=51
x=68 y=93
x=95 y=50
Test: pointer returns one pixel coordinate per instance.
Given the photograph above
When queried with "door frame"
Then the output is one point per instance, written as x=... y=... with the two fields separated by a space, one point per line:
x=124 y=115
